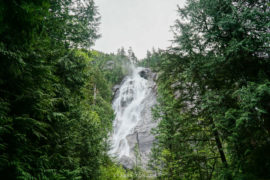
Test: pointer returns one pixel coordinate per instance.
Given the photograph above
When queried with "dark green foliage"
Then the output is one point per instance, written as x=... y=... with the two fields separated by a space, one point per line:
x=73 y=23
x=152 y=59
x=214 y=93
x=55 y=112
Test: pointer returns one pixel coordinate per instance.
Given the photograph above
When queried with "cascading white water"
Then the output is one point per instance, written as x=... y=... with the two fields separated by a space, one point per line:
x=130 y=109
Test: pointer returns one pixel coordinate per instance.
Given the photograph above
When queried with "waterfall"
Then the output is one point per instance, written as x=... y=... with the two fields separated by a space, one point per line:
x=133 y=120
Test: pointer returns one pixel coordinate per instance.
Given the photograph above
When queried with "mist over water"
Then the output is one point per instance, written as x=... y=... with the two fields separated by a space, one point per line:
x=132 y=109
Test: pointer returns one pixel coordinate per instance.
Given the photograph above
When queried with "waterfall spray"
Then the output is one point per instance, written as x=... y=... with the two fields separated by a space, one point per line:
x=132 y=107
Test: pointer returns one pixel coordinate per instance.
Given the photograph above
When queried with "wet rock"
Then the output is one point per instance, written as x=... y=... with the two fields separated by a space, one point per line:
x=126 y=162
x=141 y=131
x=143 y=74
x=115 y=89
x=146 y=73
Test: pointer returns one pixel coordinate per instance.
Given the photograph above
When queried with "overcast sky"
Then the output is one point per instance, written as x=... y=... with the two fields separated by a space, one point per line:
x=141 y=24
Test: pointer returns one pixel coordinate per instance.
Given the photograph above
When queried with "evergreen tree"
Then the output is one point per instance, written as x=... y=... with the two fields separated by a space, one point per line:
x=214 y=86
x=52 y=126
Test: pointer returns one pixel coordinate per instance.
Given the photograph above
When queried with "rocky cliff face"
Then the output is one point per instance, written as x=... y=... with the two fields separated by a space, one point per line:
x=133 y=100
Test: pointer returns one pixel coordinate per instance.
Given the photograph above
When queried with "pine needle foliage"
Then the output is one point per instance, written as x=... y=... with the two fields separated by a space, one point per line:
x=213 y=109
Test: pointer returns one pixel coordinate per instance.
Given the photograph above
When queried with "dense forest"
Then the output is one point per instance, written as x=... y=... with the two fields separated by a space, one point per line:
x=213 y=93
x=55 y=94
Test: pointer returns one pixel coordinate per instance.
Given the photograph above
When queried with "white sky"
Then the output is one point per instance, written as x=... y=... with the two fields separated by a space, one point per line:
x=141 y=24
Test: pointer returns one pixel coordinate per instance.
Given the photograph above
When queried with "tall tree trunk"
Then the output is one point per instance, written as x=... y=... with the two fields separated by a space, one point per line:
x=219 y=144
x=220 y=148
